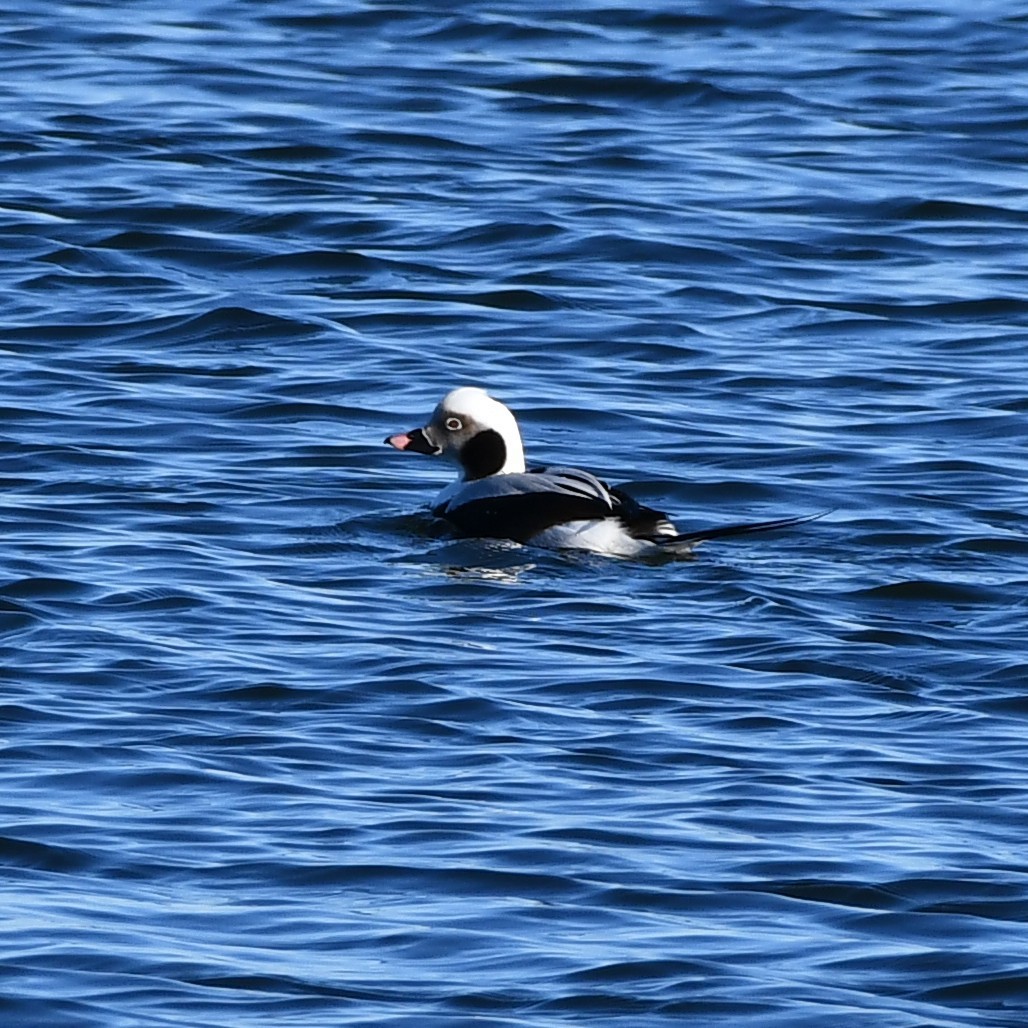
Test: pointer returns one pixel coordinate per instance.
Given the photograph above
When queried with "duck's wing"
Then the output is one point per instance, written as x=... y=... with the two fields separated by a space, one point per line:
x=520 y=506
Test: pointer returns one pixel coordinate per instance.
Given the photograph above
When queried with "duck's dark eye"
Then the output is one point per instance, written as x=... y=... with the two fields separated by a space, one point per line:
x=454 y=424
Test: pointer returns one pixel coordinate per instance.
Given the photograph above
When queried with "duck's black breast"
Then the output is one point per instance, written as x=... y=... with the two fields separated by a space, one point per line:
x=520 y=517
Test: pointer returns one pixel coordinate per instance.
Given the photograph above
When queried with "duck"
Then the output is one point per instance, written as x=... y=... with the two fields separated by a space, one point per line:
x=497 y=496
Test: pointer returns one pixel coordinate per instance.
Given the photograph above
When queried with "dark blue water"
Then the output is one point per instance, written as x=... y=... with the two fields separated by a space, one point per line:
x=275 y=751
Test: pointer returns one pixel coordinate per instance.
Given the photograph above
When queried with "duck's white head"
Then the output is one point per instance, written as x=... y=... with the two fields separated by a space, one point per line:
x=471 y=429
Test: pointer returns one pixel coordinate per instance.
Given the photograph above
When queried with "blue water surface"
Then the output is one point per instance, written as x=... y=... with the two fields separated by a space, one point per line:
x=278 y=751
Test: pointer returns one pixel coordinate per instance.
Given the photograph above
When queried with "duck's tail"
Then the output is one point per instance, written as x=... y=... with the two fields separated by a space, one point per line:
x=684 y=542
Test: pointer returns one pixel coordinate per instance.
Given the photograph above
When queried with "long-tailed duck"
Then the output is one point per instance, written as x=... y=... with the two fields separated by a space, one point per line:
x=496 y=497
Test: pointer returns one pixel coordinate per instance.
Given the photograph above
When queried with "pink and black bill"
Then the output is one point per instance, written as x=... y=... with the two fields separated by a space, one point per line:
x=415 y=441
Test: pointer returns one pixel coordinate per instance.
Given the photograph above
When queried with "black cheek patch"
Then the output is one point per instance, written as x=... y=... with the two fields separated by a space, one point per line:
x=483 y=455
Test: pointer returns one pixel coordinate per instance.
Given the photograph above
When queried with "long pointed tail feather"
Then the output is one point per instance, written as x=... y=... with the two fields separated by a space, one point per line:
x=690 y=539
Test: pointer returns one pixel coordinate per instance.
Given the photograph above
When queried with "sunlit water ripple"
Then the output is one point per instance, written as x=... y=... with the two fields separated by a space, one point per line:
x=277 y=751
